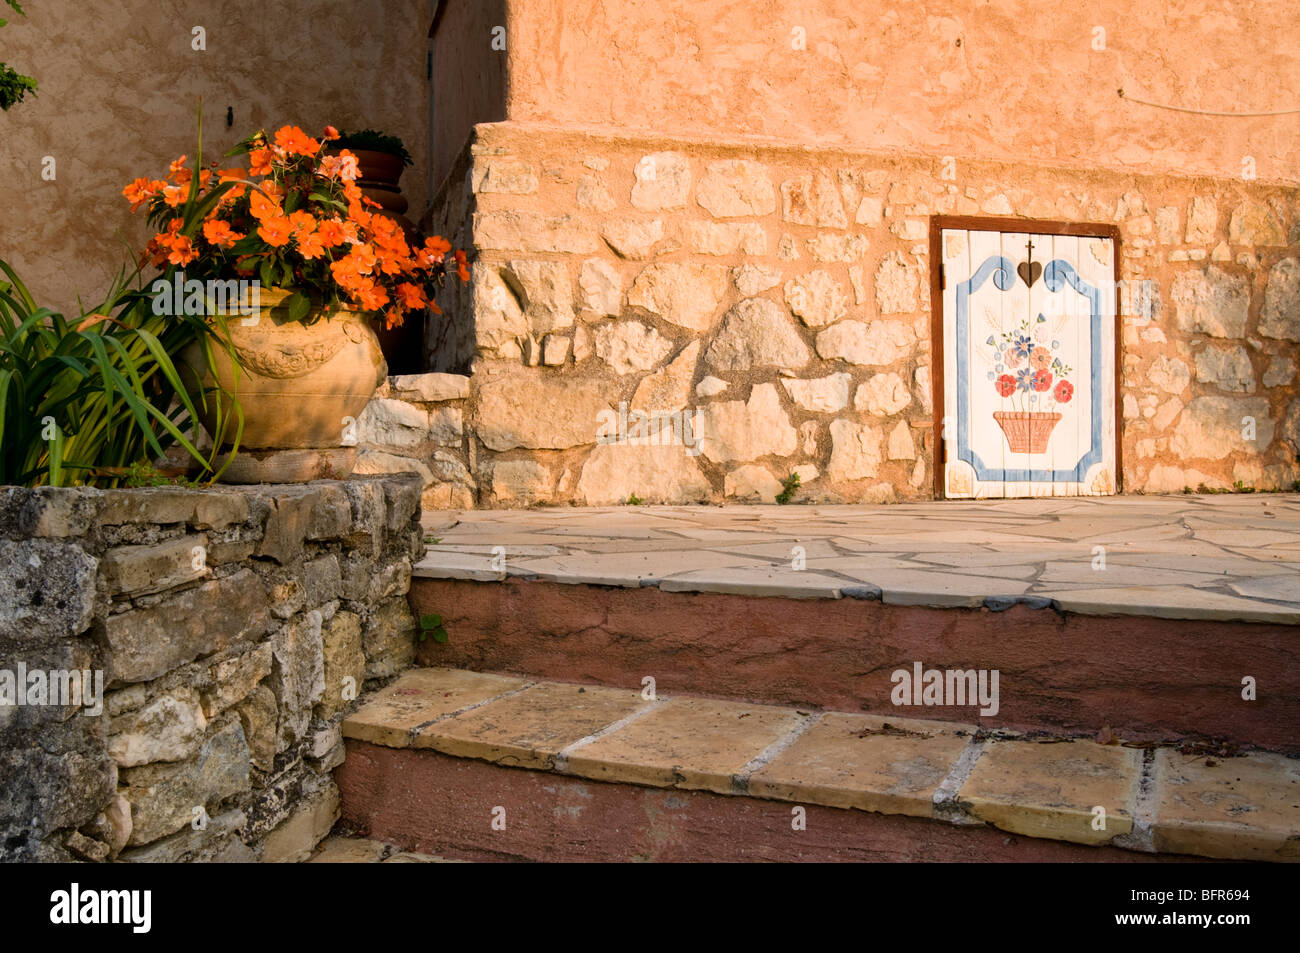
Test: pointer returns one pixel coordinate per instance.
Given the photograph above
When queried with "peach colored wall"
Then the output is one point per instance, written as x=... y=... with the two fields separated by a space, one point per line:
x=1012 y=79
x=469 y=76
x=119 y=88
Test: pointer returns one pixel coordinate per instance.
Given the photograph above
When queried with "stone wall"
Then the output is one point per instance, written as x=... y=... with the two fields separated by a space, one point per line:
x=780 y=296
x=232 y=627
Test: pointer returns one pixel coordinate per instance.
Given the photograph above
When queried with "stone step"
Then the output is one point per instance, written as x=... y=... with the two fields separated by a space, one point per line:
x=1163 y=619
x=471 y=764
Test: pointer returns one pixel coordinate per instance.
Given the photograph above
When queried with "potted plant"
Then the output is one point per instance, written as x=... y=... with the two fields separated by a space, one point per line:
x=318 y=268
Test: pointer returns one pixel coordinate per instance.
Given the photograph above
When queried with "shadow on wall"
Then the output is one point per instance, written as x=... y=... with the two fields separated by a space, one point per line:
x=468 y=49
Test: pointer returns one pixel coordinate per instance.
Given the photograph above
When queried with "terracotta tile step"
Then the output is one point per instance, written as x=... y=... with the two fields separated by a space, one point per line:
x=1153 y=800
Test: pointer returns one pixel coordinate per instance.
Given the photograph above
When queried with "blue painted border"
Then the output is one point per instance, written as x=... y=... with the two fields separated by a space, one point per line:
x=1057 y=273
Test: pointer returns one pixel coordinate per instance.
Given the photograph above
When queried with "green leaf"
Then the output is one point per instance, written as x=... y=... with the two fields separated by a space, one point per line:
x=431 y=621
x=440 y=635
x=299 y=305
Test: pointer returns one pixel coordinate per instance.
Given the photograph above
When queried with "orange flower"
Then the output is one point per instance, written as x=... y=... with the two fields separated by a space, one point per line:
x=393 y=318
x=182 y=251
x=342 y=166
x=461 y=268
x=432 y=253
x=410 y=296
x=178 y=173
x=346 y=272
x=364 y=257
x=219 y=233
x=275 y=230
x=304 y=232
x=310 y=245
x=155 y=253
x=174 y=194
x=296 y=142
x=331 y=233
x=262 y=207
x=359 y=216
x=370 y=296
x=141 y=191
x=331 y=134
x=259 y=161
x=302 y=221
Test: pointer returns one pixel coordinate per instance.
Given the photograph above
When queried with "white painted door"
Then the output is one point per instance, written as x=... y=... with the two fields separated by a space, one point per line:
x=1029 y=364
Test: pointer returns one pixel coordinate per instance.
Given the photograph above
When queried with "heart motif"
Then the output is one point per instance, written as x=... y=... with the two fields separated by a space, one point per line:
x=1029 y=272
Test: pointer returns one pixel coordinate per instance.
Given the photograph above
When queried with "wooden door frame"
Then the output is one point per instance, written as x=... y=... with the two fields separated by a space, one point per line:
x=980 y=223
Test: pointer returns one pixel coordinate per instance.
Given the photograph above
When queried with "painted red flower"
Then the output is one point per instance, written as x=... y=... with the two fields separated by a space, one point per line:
x=1042 y=380
x=1006 y=385
x=1064 y=391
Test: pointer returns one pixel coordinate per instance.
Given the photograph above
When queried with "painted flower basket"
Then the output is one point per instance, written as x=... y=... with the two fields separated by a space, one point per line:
x=1028 y=373
x=1027 y=431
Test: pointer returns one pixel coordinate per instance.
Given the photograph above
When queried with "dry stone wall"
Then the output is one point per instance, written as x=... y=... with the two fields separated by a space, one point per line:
x=768 y=309
x=218 y=636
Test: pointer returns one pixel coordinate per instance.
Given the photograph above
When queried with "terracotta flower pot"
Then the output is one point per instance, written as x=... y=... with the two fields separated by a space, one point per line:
x=390 y=198
x=379 y=168
x=1027 y=431
x=297 y=382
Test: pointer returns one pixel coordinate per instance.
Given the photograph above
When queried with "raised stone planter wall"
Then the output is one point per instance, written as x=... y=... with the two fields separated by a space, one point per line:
x=229 y=629
x=781 y=296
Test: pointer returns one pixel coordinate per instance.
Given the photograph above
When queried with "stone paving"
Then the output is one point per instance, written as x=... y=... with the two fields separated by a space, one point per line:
x=1221 y=557
x=1184 y=799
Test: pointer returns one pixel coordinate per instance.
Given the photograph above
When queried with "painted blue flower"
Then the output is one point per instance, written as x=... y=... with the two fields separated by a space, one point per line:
x=1025 y=379
x=990 y=375
x=1000 y=368
x=990 y=340
x=1022 y=344
x=1041 y=319
x=1055 y=345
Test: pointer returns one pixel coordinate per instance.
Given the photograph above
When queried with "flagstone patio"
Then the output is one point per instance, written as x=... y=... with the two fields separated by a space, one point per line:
x=1210 y=557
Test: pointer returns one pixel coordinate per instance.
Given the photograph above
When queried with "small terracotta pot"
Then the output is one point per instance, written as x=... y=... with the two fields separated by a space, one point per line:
x=1027 y=431
x=380 y=168
x=389 y=199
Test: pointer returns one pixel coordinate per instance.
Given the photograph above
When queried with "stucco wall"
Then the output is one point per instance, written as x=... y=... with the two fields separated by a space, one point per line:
x=1015 y=79
x=119 y=92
